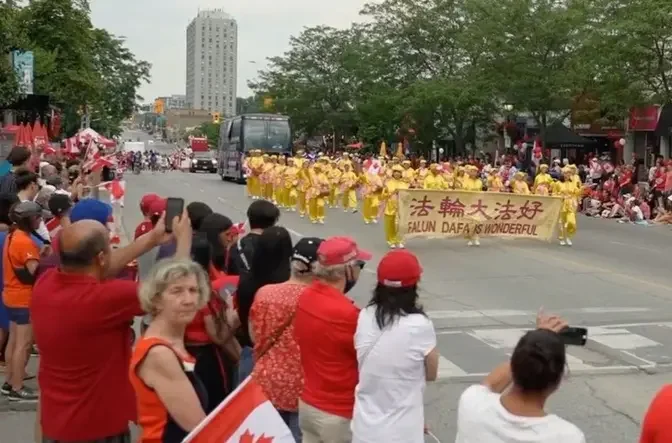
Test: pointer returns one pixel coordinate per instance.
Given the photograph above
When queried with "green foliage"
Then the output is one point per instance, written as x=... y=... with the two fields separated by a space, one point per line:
x=209 y=130
x=81 y=68
x=443 y=67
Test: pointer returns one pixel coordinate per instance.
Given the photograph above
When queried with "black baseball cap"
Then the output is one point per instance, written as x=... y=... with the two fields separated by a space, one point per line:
x=305 y=250
x=59 y=204
x=28 y=209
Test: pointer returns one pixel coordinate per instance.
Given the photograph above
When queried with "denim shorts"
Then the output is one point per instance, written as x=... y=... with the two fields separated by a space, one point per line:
x=20 y=316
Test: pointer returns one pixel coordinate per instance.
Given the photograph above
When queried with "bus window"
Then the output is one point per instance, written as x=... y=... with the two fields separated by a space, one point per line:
x=278 y=134
x=254 y=134
x=235 y=129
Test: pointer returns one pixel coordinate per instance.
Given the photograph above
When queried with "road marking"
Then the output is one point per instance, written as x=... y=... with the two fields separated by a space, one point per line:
x=448 y=369
x=624 y=342
x=503 y=313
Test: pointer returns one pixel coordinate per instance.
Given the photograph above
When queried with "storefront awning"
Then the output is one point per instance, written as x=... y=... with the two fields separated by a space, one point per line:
x=559 y=136
x=664 y=126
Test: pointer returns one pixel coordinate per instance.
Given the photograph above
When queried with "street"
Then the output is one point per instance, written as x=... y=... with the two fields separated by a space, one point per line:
x=615 y=280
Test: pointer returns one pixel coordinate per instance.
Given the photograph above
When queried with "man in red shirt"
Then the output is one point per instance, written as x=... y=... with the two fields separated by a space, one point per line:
x=324 y=328
x=145 y=207
x=82 y=327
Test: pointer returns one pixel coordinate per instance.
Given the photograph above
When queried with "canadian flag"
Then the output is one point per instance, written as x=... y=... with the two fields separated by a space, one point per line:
x=245 y=416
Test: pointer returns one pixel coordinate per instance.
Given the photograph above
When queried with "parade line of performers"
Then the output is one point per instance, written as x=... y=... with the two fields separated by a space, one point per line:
x=310 y=186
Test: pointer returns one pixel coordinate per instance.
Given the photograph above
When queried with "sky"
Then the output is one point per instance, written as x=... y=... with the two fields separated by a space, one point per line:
x=155 y=31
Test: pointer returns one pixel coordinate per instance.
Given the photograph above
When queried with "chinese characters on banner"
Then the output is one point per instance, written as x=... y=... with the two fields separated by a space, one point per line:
x=487 y=214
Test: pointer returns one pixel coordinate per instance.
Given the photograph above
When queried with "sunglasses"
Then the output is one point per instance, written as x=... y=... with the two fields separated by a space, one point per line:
x=360 y=264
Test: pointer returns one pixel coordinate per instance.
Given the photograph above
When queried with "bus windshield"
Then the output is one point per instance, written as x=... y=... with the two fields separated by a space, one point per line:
x=267 y=135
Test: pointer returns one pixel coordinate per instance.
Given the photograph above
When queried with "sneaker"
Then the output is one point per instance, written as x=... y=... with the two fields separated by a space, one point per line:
x=562 y=243
x=477 y=243
x=5 y=389
x=569 y=242
x=470 y=243
x=23 y=395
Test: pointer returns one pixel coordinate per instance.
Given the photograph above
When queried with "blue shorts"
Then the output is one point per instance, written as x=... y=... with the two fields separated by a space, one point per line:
x=20 y=316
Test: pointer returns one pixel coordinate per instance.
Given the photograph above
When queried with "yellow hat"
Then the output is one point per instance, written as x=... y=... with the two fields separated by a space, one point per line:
x=266 y=156
x=434 y=166
x=543 y=166
x=520 y=174
x=397 y=168
x=423 y=161
x=406 y=163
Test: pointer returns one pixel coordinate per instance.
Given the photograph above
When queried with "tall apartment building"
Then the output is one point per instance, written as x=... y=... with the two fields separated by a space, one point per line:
x=176 y=101
x=212 y=60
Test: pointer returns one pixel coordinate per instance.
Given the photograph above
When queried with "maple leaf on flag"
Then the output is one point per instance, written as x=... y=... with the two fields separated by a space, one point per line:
x=248 y=437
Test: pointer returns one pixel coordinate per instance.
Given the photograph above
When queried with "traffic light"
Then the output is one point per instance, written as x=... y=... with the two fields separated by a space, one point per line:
x=268 y=103
x=215 y=117
x=158 y=106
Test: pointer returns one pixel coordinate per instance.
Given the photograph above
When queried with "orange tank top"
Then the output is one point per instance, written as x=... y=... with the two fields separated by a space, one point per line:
x=154 y=419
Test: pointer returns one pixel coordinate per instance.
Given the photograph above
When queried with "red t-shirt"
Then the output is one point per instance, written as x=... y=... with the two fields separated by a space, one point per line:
x=656 y=427
x=143 y=228
x=196 y=332
x=82 y=327
x=324 y=329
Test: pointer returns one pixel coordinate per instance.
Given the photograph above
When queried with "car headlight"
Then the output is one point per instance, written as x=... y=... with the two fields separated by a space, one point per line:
x=214 y=162
x=245 y=176
x=194 y=161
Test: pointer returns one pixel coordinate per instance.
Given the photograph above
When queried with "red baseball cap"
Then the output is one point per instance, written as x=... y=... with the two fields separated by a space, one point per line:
x=146 y=202
x=157 y=206
x=339 y=251
x=399 y=269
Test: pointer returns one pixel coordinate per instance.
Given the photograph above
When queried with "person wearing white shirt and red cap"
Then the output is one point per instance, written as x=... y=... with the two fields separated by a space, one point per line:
x=324 y=327
x=396 y=354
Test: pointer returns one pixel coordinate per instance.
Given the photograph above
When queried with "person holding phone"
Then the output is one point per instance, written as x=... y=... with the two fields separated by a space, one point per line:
x=488 y=412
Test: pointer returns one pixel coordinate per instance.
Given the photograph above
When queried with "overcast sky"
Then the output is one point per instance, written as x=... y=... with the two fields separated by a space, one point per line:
x=156 y=31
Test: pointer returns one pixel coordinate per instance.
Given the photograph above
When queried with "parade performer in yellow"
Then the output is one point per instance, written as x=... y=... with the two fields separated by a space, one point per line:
x=458 y=178
x=570 y=193
x=279 y=182
x=422 y=172
x=255 y=164
x=408 y=174
x=265 y=178
x=494 y=181
x=305 y=183
x=543 y=182
x=390 y=197
x=290 y=181
x=519 y=185
x=472 y=182
x=348 y=186
x=448 y=174
x=373 y=184
x=299 y=159
x=396 y=161
x=344 y=160
x=318 y=194
x=334 y=175
x=434 y=180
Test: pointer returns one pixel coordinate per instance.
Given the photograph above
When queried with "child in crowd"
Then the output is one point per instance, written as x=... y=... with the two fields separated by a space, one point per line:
x=146 y=224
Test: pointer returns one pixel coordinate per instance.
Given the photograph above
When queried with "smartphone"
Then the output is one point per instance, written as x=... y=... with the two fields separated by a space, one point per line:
x=174 y=208
x=574 y=336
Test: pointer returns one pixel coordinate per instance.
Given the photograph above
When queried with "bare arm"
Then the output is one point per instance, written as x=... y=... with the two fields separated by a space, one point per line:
x=432 y=365
x=161 y=371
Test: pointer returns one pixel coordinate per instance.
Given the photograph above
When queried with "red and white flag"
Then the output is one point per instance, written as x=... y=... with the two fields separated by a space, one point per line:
x=245 y=416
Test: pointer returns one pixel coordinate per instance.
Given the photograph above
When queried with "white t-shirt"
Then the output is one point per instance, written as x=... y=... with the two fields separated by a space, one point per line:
x=481 y=418
x=389 y=396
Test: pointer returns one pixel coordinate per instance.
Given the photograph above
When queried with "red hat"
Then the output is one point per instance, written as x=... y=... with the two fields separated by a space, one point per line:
x=158 y=206
x=339 y=251
x=399 y=269
x=146 y=202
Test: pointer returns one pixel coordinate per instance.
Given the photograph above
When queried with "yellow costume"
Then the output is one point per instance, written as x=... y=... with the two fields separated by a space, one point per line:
x=373 y=186
x=408 y=175
x=305 y=183
x=318 y=194
x=472 y=183
x=519 y=185
x=334 y=175
x=290 y=181
x=494 y=182
x=543 y=182
x=390 y=196
x=570 y=193
x=448 y=174
x=422 y=172
x=266 y=178
x=434 y=180
x=348 y=187
x=279 y=182
x=255 y=165
x=458 y=179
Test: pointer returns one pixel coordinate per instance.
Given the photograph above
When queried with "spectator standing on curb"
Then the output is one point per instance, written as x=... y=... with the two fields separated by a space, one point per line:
x=20 y=258
x=397 y=355
x=85 y=391
x=261 y=214
x=324 y=328
x=27 y=189
x=19 y=158
x=171 y=399
x=508 y=407
x=277 y=359
x=269 y=265
x=197 y=211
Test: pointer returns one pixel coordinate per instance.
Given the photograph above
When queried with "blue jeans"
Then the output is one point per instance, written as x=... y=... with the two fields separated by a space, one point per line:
x=246 y=364
x=291 y=419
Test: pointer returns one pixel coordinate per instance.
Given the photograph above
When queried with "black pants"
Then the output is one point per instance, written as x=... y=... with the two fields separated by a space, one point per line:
x=121 y=438
x=214 y=371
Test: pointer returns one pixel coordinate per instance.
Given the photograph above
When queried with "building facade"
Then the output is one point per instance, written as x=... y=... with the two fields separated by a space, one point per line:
x=176 y=101
x=212 y=61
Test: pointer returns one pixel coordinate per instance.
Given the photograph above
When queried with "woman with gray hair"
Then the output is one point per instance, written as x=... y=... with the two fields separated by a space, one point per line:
x=276 y=354
x=171 y=399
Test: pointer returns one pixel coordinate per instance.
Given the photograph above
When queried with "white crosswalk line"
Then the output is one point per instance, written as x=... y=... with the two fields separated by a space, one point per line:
x=448 y=369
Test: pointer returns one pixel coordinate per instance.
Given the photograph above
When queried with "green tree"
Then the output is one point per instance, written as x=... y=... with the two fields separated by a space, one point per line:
x=209 y=130
x=9 y=40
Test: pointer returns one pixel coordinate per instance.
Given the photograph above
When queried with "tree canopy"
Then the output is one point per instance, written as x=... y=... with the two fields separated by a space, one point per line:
x=81 y=68
x=438 y=69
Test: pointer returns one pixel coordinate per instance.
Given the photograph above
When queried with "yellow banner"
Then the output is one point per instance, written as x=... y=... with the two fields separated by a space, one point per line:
x=487 y=214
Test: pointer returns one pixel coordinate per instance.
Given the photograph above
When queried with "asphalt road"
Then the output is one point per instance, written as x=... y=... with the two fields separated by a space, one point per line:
x=615 y=280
